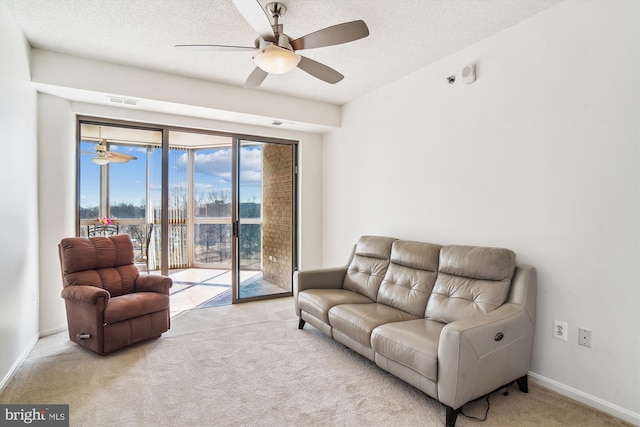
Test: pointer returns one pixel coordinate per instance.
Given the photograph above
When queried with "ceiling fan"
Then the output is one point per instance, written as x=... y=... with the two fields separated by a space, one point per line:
x=103 y=156
x=275 y=52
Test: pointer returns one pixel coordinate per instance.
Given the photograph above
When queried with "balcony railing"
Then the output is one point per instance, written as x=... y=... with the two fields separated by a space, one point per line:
x=211 y=244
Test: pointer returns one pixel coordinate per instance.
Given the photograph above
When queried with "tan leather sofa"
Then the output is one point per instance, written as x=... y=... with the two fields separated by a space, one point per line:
x=109 y=304
x=456 y=322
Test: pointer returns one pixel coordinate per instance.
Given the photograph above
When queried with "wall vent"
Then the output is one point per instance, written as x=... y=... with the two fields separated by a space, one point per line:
x=125 y=101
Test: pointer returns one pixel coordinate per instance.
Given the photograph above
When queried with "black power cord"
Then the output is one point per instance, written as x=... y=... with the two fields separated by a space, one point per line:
x=486 y=413
x=502 y=390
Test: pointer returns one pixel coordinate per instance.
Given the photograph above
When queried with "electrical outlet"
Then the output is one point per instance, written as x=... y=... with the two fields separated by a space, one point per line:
x=560 y=330
x=584 y=337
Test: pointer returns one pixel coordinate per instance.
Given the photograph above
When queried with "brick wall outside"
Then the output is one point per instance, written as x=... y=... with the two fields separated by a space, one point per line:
x=277 y=219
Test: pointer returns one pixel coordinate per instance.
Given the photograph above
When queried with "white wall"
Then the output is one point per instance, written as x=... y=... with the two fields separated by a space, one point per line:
x=56 y=196
x=541 y=155
x=18 y=199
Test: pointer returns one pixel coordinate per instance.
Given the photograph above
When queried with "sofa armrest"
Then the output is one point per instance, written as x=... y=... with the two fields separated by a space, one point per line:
x=85 y=293
x=322 y=278
x=326 y=278
x=153 y=283
x=480 y=354
x=477 y=356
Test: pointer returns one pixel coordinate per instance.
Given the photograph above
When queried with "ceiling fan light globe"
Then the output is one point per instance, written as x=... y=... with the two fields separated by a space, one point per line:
x=100 y=161
x=276 y=60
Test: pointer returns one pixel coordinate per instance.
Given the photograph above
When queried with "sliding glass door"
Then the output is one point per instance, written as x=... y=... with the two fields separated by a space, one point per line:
x=217 y=210
x=265 y=219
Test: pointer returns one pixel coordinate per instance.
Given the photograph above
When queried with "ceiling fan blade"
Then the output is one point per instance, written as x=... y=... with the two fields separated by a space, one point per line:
x=319 y=70
x=337 y=34
x=213 y=47
x=114 y=159
x=256 y=16
x=256 y=77
x=113 y=155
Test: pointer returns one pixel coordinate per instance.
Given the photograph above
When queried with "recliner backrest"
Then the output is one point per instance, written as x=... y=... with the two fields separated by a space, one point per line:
x=368 y=265
x=410 y=276
x=471 y=280
x=104 y=262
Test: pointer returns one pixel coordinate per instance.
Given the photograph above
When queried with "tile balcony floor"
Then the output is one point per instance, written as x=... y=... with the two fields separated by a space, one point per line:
x=200 y=287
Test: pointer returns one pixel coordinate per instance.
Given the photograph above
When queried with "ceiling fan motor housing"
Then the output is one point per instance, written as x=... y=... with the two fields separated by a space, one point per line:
x=285 y=42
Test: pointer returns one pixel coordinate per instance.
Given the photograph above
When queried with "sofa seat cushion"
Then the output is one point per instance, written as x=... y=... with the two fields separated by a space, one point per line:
x=133 y=305
x=317 y=302
x=413 y=344
x=357 y=321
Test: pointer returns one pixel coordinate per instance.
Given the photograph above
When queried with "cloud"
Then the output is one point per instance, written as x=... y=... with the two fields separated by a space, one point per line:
x=251 y=165
x=251 y=177
x=217 y=163
x=213 y=171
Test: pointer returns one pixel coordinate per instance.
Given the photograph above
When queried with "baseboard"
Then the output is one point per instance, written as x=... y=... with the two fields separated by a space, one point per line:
x=23 y=356
x=51 y=331
x=586 y=399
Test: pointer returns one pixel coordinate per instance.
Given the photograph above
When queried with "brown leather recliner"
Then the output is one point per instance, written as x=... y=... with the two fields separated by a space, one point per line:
x=109 y=304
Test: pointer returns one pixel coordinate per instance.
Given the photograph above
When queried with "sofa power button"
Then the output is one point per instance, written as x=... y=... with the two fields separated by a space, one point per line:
x=498 y=336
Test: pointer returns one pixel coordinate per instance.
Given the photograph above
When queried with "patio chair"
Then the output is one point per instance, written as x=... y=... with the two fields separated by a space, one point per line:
x=103 y=230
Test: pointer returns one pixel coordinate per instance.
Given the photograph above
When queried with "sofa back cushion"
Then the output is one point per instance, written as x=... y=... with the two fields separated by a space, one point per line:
x=368 y=265
x=104 y=262
x=410 y=276
x=471 y=280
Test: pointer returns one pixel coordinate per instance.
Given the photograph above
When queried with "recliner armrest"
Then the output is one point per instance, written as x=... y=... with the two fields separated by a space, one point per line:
x=153 y=283
x=85 y=293
x=326 y=278
x=483 y=353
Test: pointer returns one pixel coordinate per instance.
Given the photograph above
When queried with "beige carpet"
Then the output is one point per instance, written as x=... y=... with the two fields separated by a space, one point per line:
x=249 y=365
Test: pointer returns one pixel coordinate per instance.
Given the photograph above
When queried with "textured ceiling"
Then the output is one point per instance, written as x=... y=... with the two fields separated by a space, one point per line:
x=405 y=35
